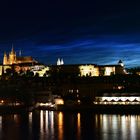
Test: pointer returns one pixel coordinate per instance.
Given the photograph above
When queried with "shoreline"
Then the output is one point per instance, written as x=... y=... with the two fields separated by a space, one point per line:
x=112 y=109
x=99 y=109
x=15 y=109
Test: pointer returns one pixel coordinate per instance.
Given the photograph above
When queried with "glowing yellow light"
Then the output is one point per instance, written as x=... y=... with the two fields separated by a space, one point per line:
x=60 y=126
x=120 y=87
x=45 y=104
x=79 y=125
x=118 y=100
x=79 y=101
x=109 y=70
x=59 y=101
x=89 y=70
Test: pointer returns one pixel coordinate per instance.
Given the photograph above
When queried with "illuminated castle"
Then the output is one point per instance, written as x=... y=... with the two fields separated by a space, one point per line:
x=12 y=58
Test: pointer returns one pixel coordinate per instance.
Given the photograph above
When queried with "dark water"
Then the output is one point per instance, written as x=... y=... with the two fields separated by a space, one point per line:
x=51 y=125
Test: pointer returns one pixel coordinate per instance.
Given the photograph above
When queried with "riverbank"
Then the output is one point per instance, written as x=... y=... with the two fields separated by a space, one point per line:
x=99 y=109
x=15 y=109
x=108 y=109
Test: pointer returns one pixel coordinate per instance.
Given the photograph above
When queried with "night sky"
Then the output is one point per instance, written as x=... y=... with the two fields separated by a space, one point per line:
x=97 y=32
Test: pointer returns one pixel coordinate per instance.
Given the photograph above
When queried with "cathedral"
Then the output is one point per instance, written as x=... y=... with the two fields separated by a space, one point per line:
x=12 y=58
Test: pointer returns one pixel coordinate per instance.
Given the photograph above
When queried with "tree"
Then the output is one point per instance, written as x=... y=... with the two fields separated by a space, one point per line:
x=29 y=73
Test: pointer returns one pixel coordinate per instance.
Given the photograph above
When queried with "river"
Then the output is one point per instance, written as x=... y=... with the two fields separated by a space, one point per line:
x=55 y=125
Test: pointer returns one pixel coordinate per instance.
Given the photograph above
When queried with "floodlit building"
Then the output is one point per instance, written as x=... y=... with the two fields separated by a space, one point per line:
x=24 y=63
x=89 y=70
x=19 y=63
x=101 y=70
x=12 y=58
x=41 y=70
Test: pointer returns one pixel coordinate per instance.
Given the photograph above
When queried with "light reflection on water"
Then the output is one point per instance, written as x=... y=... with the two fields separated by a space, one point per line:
x=42 y=125
x=119 y=127
x=78 y=126
x=0 y=126
x=60 y=125
x=46 y=124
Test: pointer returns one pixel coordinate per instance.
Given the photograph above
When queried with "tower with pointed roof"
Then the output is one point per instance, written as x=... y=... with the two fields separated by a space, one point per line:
x=5 y=59
x=12 y=56
x=20 y=53
x=62 y=62
x=58 y=62
x=121 y=63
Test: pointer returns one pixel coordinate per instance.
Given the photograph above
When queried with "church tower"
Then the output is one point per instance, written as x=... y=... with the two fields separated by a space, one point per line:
x=121 y=63
x=62 y=62
x=5 y=59
x=58 y=62
x=12 y=56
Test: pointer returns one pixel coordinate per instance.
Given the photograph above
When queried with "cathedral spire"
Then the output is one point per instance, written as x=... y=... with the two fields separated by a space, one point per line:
x=62 y=62
x=12 y=56
x=5 y=59
x=5 y=54
x=19 y=52
x=12 y=50
x=58 y=62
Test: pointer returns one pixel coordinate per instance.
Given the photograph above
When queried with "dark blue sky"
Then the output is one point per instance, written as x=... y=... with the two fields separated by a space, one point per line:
x=98 y=32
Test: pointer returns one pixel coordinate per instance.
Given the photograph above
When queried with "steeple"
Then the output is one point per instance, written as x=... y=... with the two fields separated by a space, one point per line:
x=5 y=59
x=62 y=62
x=12 y=56
x=121 y=63
x=12 y=50
x=19 y=52
x=58 y=62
